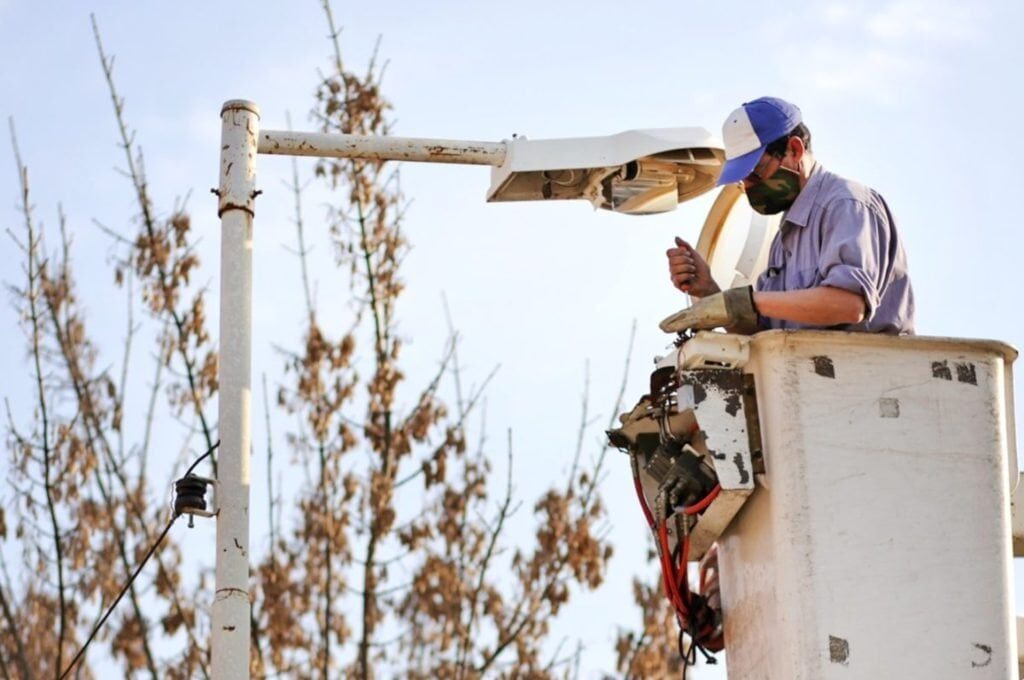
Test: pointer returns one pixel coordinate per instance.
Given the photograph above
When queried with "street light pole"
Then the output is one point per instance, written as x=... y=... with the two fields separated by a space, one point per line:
x=236 y=209
x=634 y=172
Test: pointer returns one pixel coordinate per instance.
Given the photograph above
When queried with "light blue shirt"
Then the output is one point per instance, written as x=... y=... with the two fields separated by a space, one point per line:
x=841 y=234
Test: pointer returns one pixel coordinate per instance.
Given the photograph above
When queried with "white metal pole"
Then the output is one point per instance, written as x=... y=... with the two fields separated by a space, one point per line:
x=382 y=148
x=236 y=208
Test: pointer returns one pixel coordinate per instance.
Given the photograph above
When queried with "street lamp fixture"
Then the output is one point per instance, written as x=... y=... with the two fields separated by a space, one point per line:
x=639 y=172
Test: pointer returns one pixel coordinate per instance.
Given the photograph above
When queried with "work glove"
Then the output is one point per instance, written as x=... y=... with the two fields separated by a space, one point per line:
x=732 y=309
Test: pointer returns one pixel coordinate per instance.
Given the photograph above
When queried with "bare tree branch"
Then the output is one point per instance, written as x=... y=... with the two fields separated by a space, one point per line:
x=135 y=172
x=15 y=631
x=270 y=466
x=302 y=252
x=463 y=664
x=35 y=326
x=589 y=488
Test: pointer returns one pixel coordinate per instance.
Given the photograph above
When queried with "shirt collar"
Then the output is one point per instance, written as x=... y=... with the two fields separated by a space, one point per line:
x=800 y=211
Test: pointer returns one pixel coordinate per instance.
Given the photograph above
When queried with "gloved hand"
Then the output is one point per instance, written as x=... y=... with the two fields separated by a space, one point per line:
x=733 y=309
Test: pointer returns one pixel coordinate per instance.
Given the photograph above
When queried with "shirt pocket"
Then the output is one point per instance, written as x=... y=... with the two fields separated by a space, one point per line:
x=802 y=279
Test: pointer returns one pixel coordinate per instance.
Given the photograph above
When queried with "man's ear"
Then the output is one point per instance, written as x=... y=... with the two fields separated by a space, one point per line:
x=796 y=148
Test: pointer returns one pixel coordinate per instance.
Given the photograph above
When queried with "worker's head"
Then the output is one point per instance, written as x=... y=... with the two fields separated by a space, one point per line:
x=766 y=144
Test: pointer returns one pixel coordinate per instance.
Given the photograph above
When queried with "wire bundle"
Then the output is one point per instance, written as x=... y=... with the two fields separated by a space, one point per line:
x=694 y=615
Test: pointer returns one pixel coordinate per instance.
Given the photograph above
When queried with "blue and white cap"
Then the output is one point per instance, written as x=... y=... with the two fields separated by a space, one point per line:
x=749 y=129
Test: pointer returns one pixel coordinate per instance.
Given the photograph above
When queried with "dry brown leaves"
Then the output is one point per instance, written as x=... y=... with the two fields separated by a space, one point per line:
x=84 y=513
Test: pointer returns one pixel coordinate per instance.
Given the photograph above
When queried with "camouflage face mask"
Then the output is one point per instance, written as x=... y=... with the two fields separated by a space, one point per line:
x=775 y=194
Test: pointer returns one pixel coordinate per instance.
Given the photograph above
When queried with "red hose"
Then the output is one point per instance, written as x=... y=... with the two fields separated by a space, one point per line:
x=703 y=504
x=684 y=576
x=675 y=579
x=668 y=572
x=643 y=501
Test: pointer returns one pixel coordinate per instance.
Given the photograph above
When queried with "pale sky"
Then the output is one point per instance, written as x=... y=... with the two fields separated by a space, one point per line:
x=917 y=98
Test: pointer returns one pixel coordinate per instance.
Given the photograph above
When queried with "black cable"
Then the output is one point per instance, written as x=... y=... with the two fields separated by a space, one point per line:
x=201 y=458
x=709 y=658
x=124 y=590
x=131 y=580
x=684 y=653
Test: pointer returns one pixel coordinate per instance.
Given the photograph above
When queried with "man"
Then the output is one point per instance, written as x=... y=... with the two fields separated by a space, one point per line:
x=837 y=261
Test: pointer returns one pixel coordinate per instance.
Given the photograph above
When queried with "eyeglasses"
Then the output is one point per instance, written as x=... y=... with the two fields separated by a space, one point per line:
x=760 y=172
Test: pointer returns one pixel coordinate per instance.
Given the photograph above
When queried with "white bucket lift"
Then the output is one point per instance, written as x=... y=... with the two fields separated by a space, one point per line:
x=874 y=540
x=877 y=542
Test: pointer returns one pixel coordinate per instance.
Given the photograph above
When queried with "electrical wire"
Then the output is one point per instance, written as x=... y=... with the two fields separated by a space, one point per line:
x=675 y=578
x=702 y=505
x=684 y=562
x=110 y=609
x=572 y=181
x=131 y=579
x=669 y=573
x=638 y=486
x=660 y=531
x=200 y=459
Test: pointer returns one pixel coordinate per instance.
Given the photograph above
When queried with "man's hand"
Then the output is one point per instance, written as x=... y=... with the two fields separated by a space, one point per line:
x=688 y=270
x=734 y=310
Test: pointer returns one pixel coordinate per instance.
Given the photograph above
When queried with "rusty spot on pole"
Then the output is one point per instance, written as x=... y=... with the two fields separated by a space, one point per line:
x=233 y=206
x=838 y=650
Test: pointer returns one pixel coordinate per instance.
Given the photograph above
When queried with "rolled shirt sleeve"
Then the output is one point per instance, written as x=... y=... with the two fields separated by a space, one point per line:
x=853 y=249
x=841 y=234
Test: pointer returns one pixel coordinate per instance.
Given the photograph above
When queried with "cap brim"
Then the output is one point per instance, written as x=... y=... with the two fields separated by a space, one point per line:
x=737 y=168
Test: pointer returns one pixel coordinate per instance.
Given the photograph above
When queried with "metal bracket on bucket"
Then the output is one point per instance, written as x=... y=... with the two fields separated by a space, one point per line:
x=725 y=406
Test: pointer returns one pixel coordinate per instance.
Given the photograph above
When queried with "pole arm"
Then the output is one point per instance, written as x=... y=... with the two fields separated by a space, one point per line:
x=382 y=147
